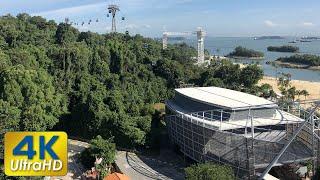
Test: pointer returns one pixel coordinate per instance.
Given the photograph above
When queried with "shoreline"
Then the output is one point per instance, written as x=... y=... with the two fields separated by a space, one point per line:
x=245 y=58
x=293 y=52
x=312 y=87
x=296 y=66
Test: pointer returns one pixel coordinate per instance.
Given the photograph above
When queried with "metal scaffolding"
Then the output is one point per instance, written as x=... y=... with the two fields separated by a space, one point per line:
x=251 y=148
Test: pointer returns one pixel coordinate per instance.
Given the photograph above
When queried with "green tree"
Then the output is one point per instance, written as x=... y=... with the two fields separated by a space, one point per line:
x=100 y=155
x=305 y=93
x=31 y=96
x=250 y=75
x=266 y=90
x=9 y=121
x=65 y=33
x=292 y=92
x=171 y=71
x=209 y=171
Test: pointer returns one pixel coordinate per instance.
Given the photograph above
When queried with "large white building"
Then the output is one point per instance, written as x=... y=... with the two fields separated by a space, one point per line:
x=231 y=127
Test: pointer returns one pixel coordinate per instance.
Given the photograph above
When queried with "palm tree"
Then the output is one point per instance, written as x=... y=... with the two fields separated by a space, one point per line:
x=284 y=81
x=298 y=93
x=305 y=93
x=292 y=92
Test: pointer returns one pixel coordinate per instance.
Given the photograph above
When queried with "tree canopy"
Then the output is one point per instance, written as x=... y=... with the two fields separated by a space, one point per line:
x=100 y=154
x=284 y=48
x=53 y=77
x=98 y=86
x=209 y=171
x=244 y=52
x=306 y=59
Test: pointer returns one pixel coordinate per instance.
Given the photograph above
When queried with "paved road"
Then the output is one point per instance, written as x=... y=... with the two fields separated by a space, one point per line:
x=145 y=168
x=134 y=166
x=75 y=168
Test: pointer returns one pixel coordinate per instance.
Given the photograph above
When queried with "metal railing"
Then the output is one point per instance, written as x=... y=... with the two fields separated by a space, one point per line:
x=293 y=119
x=310 y=118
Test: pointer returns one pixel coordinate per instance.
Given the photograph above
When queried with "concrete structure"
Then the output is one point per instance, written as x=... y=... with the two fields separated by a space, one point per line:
x=200 y=37
x=246 y=132
x=200 y=42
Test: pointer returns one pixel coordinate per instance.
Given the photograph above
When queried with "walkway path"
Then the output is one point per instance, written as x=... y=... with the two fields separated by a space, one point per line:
x=145 y=168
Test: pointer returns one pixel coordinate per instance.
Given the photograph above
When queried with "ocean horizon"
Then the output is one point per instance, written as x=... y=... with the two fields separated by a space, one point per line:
x=224 y=45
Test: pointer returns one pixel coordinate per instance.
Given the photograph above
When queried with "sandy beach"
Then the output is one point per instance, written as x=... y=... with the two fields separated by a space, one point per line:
x=312 y=87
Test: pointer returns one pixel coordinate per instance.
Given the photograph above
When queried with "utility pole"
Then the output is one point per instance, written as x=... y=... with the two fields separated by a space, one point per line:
x=113 y=10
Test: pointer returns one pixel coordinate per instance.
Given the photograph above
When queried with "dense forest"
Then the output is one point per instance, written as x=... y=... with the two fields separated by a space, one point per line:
x=305 y=59
x=244 y=52
x=284 y=48
x=53 y=77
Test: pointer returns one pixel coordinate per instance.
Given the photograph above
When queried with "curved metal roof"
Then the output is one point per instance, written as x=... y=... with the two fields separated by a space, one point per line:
x=225 y=98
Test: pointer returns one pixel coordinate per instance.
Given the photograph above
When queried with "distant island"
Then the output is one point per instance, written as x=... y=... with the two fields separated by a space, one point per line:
x=268 y=37
x=305 y=61
x=285 y=48
x=310 y=38
x=242 y=52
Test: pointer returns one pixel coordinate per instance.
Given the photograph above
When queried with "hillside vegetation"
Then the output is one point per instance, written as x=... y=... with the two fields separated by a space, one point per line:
x=53 y=77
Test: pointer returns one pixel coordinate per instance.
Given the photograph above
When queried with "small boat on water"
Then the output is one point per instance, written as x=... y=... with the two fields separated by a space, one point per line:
x=294 y=41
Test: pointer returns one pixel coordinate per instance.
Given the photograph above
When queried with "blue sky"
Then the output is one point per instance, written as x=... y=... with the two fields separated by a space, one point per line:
x=152 y=17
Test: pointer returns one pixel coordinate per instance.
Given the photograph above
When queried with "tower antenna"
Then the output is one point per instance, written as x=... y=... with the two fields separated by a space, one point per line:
x=113 y=10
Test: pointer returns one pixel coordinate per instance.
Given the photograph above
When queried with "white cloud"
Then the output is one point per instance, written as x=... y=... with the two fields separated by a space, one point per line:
x=136 y=26
x=307 y=24
x=147 y=26
x=71 y=11
x=132 y=26
x=270 y=23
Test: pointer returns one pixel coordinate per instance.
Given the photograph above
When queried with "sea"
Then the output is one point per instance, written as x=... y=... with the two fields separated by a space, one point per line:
x=224 y=45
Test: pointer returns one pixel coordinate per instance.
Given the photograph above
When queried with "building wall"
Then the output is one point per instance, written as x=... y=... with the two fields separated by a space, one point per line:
x=245 y=155
x=202 y=144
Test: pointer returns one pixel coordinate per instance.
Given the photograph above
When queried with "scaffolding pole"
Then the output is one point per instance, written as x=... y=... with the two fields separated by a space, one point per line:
x=275 y=160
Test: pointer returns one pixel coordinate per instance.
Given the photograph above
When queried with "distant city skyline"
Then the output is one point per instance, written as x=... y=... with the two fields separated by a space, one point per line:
x=227 y=18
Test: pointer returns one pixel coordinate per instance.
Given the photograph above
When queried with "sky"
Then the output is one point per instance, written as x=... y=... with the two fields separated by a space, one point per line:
x=226 y=18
